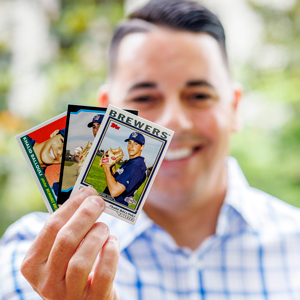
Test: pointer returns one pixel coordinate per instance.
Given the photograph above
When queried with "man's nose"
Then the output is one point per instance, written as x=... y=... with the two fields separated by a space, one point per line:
x=175 y=116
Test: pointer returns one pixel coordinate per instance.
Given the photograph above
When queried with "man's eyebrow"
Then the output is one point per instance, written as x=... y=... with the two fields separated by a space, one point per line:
x=199 y=83
x=142 y=85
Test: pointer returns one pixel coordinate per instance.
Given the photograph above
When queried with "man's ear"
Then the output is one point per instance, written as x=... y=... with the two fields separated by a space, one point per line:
x=237 y=94
x=102 y=96
x=54 y=133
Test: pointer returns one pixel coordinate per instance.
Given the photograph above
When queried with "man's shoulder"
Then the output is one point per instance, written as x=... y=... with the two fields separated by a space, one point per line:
x=26 y=228
x=265 y=213
x=139 y=161
x=273 y=214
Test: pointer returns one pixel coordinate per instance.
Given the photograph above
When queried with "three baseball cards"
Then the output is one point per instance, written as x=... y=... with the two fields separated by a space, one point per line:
x=112 y=150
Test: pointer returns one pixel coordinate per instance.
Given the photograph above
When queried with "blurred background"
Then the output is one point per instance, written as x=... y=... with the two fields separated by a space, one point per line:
x=53 y=52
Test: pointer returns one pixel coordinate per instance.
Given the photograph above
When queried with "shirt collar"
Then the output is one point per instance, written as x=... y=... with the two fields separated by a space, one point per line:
x=240 y=198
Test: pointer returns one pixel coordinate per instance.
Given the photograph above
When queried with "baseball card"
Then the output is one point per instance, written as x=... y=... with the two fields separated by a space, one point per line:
x=82 y=125
x=123 y=162
x=42 y=147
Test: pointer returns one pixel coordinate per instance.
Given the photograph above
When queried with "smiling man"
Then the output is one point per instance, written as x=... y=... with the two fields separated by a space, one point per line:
x=124 y=182
x=50 y=151
x=204 y=233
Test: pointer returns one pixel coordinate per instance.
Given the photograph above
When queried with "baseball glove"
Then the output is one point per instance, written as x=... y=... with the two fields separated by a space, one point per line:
x=111 y=157
x=84 y=153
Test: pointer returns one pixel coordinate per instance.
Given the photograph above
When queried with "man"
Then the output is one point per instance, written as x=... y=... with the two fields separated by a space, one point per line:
x=205 y=233
x=95 y=125
x=50 y=151
x=125 y=181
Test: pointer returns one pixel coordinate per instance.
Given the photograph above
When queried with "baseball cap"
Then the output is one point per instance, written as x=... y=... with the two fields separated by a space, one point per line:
x=62 y=132
x=97 y=119
x=137 y=137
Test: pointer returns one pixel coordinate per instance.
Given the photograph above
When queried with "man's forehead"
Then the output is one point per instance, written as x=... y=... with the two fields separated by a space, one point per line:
x=138 y=43
x=164 y=52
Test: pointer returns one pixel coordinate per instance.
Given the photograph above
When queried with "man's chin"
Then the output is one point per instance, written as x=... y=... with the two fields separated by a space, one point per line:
x=164 y=193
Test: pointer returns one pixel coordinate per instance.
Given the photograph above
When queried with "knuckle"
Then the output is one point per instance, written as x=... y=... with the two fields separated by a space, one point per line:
x=53 y=226
x=87 y=212
x=45 y=288
x=107 y=275
x=77 y=266
x=65 y=240
x=99 y=235
x=26 y=269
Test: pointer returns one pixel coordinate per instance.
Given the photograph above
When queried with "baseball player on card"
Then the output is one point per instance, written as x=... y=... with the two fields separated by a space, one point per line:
x=124 y=182
x=94 y=124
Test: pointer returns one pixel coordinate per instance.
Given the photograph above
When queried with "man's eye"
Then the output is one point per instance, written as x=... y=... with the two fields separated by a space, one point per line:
x=62 y=140
x=143 y=99
x=199 y=96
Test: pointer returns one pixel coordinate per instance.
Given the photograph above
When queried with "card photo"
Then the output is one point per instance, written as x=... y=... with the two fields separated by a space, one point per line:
x=124 y=181
x=42 y=147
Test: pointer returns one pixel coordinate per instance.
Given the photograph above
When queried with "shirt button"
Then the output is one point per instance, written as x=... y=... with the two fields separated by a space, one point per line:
x=199 y=264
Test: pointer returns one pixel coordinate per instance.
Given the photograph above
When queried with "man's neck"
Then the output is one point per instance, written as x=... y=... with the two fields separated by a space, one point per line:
x=190 y=226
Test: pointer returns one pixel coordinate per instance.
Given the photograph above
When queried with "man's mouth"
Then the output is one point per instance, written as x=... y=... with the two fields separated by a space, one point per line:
x=52 y=154
x=181 y=153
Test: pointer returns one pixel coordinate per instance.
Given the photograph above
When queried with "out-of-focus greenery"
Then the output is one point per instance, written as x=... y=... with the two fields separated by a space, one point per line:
x=83 y=30
x=269 y=156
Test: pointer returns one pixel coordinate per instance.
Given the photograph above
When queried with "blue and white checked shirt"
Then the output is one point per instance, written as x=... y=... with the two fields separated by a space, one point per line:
x=254 y=254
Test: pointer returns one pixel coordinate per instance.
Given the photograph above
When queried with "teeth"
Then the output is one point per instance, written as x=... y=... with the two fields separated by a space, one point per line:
x=177 y=154
x=52 y=154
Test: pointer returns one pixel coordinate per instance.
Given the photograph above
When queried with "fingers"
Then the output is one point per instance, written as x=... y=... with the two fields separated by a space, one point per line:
x=82 y=261
x=45 y=239
x=105 y=270
x=71 y=235
x=38 y=253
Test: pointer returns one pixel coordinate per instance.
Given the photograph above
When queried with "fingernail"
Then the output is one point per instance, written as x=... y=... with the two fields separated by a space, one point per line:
x=89 y=192
x=112 y=238
x=97 y=200
x=104 y=226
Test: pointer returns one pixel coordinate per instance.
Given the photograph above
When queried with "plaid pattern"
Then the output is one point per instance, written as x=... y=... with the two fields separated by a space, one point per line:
x=255 y=253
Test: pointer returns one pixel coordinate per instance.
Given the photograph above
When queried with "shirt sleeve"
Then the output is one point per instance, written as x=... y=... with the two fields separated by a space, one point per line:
x=13 y=246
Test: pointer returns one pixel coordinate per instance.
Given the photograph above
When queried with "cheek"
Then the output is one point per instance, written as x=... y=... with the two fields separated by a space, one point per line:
x=214 y=123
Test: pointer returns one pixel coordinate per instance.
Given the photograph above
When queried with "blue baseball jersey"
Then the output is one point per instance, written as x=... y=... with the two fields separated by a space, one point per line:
x=132 y=174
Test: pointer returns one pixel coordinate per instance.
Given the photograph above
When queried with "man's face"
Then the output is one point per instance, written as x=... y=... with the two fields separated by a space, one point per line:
x=51 y=153
x=179 y=80
x=95 y=128
x=134 y=149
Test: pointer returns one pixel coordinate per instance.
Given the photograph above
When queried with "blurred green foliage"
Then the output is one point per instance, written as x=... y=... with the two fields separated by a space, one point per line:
x=82 y=32
x=269 y=157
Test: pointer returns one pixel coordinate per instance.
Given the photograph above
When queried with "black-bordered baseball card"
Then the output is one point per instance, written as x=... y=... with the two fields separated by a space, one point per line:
x=82 y=126
x=123 y=162
x=42 y=147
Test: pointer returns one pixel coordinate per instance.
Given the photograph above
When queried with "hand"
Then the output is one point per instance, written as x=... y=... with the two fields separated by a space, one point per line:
x=60 y=261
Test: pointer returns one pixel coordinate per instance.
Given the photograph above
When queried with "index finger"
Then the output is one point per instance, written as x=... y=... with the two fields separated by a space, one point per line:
x=43 y=243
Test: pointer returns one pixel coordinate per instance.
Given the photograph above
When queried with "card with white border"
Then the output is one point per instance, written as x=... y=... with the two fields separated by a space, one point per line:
x=125 y=186
x=81 y=126
x=42 y=147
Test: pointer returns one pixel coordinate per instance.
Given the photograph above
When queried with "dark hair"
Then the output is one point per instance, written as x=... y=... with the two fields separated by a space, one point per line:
x=174 y=14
